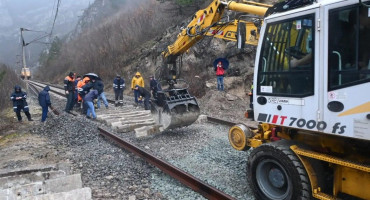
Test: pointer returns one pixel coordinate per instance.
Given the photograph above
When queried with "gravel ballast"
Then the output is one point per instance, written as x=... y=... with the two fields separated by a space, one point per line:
x=202 y=150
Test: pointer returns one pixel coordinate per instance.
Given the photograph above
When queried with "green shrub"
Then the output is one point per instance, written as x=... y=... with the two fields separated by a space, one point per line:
x=8 y=79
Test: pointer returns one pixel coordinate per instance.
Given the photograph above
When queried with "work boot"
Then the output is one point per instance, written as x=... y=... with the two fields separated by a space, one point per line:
x=106 y=107
x=30 y=119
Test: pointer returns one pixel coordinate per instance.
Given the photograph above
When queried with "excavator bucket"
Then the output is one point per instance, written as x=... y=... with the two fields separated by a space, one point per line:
x=175 y=108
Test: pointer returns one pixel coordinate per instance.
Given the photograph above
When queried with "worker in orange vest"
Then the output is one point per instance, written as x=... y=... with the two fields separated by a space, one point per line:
x=75 y=97
x=80 y=84
x=82 y=92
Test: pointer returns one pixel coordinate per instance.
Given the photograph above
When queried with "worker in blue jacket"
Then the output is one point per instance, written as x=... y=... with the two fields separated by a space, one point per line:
x=88 y=99
x=118 y=87
x=83 y=92
x=145 y=94
x=99 y=86
x=19 y=103
x=44 y=101
x=154 y=87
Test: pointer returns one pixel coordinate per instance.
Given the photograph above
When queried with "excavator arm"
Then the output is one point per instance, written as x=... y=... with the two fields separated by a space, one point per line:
x=175 y=106
x=207 y=22
x=228 y=31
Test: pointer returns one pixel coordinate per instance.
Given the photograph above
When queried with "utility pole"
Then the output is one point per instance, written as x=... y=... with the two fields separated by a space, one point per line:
x=23 y=47
x=18 y=61
x=25 y=72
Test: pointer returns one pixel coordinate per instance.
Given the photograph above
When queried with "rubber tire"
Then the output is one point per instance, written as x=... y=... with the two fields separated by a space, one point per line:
x=280 y=153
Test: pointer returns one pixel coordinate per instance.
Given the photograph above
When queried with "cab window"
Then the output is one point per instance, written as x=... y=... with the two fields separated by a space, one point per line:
x=286 y=64
x=349 y=47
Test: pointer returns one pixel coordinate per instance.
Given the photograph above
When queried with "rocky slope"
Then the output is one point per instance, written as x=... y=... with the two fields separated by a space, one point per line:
x=198 y=71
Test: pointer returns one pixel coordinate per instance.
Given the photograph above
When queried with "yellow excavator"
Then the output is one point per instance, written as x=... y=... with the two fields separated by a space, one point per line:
x=175 y=106
x=310 y=95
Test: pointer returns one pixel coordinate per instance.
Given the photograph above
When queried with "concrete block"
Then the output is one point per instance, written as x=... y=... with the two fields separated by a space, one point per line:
x=23 y=191
x=121 y=128
x=57 y=185
x=13 y=181
x=78 y=194
x=110 y=121
x=116 y=124
x=142 y=131
x=29 y=169
x=64 y=184
x=35 y=173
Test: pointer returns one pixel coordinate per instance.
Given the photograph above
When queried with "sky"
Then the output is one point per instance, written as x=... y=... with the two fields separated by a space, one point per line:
x=35 y=15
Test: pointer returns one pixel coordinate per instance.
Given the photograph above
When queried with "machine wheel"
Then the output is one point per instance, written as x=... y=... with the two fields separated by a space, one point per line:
x=238 y=136
x=275 y=172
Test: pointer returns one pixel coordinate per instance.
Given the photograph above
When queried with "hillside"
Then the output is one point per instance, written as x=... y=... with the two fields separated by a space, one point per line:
x=132 y=38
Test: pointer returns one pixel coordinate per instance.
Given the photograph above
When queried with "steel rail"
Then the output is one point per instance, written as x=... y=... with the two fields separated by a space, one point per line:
x=49 y=84
x=227 y=123
x=56 y=92
x=220 y=121
x=197 y=185
x=36 y=91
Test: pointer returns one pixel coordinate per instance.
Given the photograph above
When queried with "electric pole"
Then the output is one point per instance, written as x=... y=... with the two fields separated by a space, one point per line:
x=23 y=47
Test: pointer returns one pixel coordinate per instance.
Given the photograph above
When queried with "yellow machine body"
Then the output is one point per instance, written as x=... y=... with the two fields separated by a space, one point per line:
x=310 y=94
x=316 y=113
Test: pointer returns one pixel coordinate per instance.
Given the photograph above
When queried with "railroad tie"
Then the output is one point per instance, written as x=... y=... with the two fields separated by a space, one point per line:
x=148 y=130
x=124 y=128
x=122 y=120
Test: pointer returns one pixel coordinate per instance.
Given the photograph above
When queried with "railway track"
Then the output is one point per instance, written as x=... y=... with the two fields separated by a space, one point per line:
x=192 y=182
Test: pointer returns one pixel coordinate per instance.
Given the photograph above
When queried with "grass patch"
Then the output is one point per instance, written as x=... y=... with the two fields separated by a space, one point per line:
x=6 y=138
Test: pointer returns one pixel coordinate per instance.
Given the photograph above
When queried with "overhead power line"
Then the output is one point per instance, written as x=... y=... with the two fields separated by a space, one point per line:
x=52 y=12
x=55 y=18
x=36 y=39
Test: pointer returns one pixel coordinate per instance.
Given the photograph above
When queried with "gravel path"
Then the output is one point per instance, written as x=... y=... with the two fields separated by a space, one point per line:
x=202 y=150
